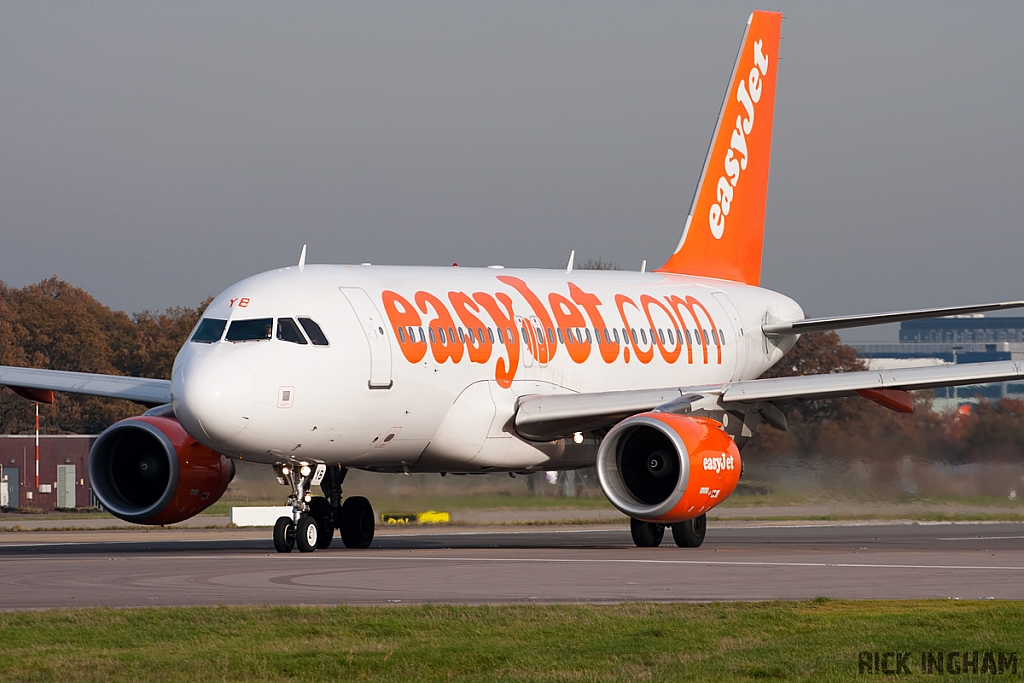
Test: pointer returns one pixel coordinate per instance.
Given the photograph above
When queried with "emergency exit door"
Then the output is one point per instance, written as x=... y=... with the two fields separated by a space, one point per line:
x=375 y=330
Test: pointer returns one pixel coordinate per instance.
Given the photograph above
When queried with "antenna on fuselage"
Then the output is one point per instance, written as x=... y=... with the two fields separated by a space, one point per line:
x=643 y=266
x=302 y=259
x=572 y=257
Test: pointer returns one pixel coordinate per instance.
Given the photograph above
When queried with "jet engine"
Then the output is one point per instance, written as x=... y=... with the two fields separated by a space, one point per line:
x=148 y=470
x=667 y=468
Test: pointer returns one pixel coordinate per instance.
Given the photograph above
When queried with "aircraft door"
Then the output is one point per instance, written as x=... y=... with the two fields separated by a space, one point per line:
x=540 y=341
x=374 y=328
x=526 y=341
x=734 y=348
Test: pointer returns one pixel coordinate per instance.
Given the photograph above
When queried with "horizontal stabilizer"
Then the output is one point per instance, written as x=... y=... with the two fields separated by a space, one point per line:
x=843 y=322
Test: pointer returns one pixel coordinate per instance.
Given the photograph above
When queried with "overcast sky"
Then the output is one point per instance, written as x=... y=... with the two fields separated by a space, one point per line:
x=154 y=153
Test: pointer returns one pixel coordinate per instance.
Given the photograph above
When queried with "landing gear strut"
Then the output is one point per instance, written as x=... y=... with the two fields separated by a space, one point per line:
x=314 y=519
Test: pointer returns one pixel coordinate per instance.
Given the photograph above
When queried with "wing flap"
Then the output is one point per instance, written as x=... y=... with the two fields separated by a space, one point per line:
x=848 y=383
x=148 y=392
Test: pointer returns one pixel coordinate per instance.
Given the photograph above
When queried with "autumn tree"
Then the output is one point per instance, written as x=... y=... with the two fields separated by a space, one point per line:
x=53 y=325
x=844 y=427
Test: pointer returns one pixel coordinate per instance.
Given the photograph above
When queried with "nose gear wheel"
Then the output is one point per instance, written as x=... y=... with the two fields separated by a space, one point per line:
x=314 y=518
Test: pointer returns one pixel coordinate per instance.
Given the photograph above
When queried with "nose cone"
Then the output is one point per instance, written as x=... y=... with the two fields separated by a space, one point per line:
x=213 y=397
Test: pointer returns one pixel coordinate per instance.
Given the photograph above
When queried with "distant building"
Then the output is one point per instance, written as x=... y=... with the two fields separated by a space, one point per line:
x=967 y=339
x=63 y=472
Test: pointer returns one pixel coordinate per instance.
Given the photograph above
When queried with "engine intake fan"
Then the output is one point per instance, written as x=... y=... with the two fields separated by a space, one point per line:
x=662 y=467
x=148 y=470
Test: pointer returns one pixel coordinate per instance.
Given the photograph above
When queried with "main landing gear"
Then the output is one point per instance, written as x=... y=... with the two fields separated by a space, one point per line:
x=314 y=518
x=688 y=534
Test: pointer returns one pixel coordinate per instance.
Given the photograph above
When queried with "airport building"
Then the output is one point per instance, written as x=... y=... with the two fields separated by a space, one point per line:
x=63 y=474
x=941 y=341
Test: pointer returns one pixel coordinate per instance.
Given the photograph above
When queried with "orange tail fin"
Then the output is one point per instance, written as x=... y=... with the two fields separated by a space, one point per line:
x=725 y=229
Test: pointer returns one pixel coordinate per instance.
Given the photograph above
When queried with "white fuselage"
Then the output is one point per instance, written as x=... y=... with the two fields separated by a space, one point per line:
x=378 y=397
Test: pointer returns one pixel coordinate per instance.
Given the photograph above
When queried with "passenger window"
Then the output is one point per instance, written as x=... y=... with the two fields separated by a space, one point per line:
x=313 y=331
x=615 y=335
x=706 y=342
x=462 y=336
x=671 y=339
x=288 y=331
x=257 y=329
x=714 y=335
x=721 y=336
x=431 y=331
x=511 y=335
x=643 y=335
x=490 y=335
x=588 y=335
x=401 y=335
x=469 y=335
x=209 y=331
x=561 y=340
x=632 y=333
x=423 y=339
x=696 y=335
x=661 y=335
x=440 y=335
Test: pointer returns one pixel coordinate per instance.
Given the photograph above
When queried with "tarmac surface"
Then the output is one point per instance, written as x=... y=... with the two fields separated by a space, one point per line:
x=597 y=564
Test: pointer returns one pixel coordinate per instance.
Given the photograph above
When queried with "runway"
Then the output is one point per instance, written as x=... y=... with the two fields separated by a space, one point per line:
x=556 y=565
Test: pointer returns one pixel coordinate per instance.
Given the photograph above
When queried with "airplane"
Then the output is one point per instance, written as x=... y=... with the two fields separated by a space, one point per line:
x=649 y=376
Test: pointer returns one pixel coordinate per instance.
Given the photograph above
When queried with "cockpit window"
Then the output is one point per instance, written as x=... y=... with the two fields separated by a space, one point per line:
x=316 y=335
x=250 y=330
x=288 y=331
x=209 y=330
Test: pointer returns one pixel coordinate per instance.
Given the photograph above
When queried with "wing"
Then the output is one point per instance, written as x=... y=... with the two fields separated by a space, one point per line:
x=546 y=417
x=39 y=385
x=843 y=322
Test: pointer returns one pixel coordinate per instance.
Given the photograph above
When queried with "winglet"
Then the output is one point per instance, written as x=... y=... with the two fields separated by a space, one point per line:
x=302 y=259
x=724 y=232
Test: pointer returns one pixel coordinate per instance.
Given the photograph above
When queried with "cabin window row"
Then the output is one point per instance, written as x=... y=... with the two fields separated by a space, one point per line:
x=570 y=335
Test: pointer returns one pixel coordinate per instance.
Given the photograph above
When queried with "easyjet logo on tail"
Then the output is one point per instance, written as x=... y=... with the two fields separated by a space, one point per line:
x=748 y=93
x=724 y=230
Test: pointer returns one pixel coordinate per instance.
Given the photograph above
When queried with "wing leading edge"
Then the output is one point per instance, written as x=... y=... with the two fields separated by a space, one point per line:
x=33 y=382
x=544 y=417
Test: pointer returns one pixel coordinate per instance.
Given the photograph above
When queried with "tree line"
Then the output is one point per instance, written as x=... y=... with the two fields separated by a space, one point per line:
x=57 y=326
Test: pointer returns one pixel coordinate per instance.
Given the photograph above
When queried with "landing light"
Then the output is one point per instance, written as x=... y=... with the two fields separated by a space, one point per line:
x=308 y=497
x=577 y=437
x=285 y=471
x=305 y=470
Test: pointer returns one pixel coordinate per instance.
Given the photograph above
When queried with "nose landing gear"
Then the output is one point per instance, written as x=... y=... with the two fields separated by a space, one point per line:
x=314 y=519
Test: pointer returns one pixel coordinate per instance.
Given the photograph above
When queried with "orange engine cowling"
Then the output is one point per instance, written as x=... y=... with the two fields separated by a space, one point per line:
x=662 y=467
x=148 y=470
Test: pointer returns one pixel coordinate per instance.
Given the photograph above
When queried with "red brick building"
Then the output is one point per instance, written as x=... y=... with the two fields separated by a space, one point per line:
x=63 y=471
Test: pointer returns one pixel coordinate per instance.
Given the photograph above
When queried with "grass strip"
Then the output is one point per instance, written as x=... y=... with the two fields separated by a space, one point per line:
x=818 y=640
